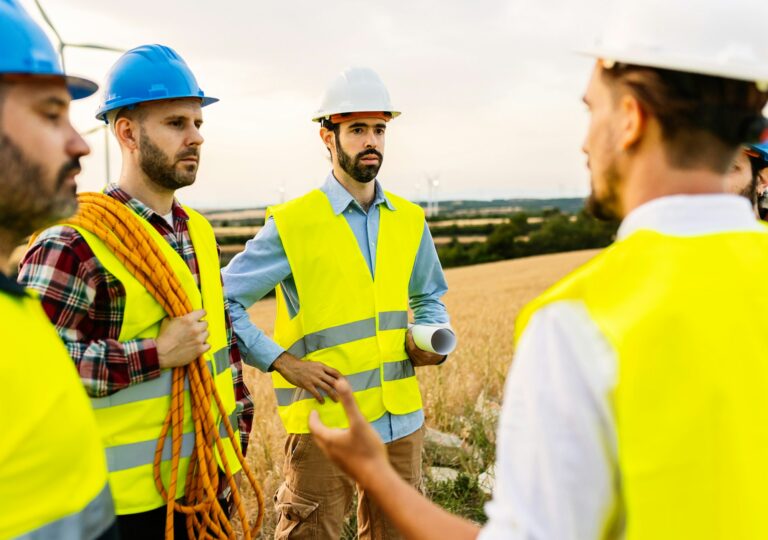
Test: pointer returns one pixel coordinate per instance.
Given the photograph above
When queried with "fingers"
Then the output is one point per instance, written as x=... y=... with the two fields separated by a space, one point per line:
x=332 y=372
x=344 y=391
x=195 y=315
x=319 y=431
x=327 y=386
x=317 y=395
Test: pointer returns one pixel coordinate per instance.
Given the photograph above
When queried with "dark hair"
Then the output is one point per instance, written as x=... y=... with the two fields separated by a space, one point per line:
x=695 y=112
x=327 y=124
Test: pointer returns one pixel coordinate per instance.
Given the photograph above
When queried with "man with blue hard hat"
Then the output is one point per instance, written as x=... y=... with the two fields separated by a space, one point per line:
x=53 y=474
x=122 y=343
x=746 y=176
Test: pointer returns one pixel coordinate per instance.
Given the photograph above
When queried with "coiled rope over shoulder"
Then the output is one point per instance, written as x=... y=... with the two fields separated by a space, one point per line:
x=118 y=227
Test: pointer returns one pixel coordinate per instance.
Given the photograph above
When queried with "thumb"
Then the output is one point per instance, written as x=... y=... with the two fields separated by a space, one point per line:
x=320 y=431
x=344 y=390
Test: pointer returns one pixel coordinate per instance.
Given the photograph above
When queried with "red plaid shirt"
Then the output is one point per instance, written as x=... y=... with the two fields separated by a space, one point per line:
x=85 y=303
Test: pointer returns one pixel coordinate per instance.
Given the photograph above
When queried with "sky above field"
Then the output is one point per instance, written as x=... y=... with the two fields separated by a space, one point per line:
x=490 y=90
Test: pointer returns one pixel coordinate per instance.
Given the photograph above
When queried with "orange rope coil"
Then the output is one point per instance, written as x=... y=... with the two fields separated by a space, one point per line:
x=119 y=229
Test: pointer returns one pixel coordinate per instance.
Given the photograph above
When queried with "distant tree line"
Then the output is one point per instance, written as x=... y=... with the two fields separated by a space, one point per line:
x=558 y=231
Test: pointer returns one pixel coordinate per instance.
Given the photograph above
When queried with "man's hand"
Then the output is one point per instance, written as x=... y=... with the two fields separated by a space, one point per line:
x=181 y=340
x=311 y=376
x=419 y=357
x=358 y=451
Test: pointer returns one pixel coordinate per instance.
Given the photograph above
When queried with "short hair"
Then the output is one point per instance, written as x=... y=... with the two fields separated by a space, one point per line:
x=695 y=112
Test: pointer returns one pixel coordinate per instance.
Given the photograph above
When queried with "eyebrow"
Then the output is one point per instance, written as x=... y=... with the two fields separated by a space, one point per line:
x=363 y=124
x=182 y=117
x=56 y=101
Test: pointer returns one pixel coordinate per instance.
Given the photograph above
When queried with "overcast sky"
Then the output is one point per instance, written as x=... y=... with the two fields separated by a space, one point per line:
x=490 y=90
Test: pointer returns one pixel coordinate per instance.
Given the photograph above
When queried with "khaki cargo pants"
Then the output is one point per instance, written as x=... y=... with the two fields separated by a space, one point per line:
x=315 y=497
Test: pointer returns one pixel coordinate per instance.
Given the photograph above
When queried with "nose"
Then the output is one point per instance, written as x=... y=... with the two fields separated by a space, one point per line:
x=196 y=138
x=76 y=145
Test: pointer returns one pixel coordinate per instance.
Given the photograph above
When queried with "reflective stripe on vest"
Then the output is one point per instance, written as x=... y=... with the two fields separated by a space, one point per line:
x=686 y=319
x=91 y=522
x=52 y=465
x=131 y=420
x=156 y=388
x=128 y=456
x=347 y=320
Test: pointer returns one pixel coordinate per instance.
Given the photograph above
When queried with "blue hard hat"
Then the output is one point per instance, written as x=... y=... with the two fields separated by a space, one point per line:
x=26 y=50
x=149 y=73
x=759 y=151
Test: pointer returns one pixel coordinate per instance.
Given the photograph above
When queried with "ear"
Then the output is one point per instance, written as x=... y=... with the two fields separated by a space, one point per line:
x=633 y=121
x=327 y=136
x=126 y=132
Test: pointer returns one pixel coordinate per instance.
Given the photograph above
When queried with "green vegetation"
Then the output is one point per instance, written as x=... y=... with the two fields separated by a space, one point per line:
x=522 y=236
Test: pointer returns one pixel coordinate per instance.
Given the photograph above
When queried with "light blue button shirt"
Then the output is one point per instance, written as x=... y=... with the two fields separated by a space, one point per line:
x=263 y=265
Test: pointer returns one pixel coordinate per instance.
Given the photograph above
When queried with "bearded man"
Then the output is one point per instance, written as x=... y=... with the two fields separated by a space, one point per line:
x=121 y=341
x=349 y=259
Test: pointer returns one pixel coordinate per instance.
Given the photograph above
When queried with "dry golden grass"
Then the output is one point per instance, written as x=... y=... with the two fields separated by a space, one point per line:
x=483 y=302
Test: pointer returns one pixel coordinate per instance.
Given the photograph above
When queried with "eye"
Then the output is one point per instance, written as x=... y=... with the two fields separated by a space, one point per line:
x=380 y=131
x=357 y=131
x=177 y=123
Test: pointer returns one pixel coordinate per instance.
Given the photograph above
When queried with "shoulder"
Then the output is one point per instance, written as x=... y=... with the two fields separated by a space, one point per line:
x=402 y=203
x=54 y=241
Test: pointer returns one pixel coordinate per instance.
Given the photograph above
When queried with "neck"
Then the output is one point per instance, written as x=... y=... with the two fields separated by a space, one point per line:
x=363 y=193
x=652 y=178
x=134 y=182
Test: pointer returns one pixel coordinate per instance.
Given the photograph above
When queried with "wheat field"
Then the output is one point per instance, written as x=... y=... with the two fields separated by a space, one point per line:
x=483 y=302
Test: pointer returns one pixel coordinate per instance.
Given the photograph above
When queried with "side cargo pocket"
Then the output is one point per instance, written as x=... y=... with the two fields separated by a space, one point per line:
x=297 y=518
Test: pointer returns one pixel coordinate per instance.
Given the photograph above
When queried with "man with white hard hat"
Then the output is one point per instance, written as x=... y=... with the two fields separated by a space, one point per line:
x=349 y=260
x=636 y=404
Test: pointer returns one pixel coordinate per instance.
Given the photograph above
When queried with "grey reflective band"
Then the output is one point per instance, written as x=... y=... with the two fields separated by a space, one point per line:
x=221 y=359
x=91 y=522
x=232 y=422
x=155 y=388
x=358 y=381
x=128 y=456
x=394 y=371
x=393 y=320
x=334 y=336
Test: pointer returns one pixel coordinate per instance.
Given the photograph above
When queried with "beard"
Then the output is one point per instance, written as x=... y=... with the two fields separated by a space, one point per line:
x=606 y=206
x=750 y=190
x=353 y=167
x=161 y=169
x=28 y=200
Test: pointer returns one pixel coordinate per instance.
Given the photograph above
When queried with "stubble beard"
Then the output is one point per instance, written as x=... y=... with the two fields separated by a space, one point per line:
x=27 y=203
x=161 y=169
x=352 y=166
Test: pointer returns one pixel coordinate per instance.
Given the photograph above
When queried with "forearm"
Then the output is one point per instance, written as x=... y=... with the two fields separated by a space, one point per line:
x=414 y=515
x=107 y=366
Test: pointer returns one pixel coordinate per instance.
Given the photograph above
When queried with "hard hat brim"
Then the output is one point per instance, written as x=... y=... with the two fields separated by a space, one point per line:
x=80 y=88
x=726 y=70
x=327 y=114
x=101 y=114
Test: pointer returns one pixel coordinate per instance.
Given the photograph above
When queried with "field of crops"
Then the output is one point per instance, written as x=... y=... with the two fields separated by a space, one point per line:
x=483 y=302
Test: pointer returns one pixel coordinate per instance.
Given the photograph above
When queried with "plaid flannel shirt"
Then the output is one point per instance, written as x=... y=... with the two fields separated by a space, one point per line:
x=85 y=303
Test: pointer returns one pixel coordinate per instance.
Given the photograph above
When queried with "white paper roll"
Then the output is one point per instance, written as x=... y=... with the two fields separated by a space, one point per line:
x=434 y=339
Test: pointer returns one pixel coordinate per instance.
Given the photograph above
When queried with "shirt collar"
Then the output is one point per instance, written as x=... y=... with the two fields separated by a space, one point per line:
x=340 y=198
x=114 y=191
x=7 y=285
x=691 y=215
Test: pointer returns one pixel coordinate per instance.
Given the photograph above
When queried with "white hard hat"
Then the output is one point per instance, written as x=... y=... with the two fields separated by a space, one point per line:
x=709 y=37
x=356 y=89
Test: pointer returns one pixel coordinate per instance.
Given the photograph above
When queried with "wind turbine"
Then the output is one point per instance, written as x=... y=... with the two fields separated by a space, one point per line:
x=94 y=46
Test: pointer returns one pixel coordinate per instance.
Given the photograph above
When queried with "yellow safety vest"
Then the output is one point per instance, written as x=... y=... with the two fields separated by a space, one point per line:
x=53 y=475
x=346 y=319
x=130 y=420
x=687 y=318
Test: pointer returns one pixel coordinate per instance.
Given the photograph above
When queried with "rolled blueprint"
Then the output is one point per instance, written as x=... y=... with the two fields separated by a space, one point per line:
x=434 y=339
